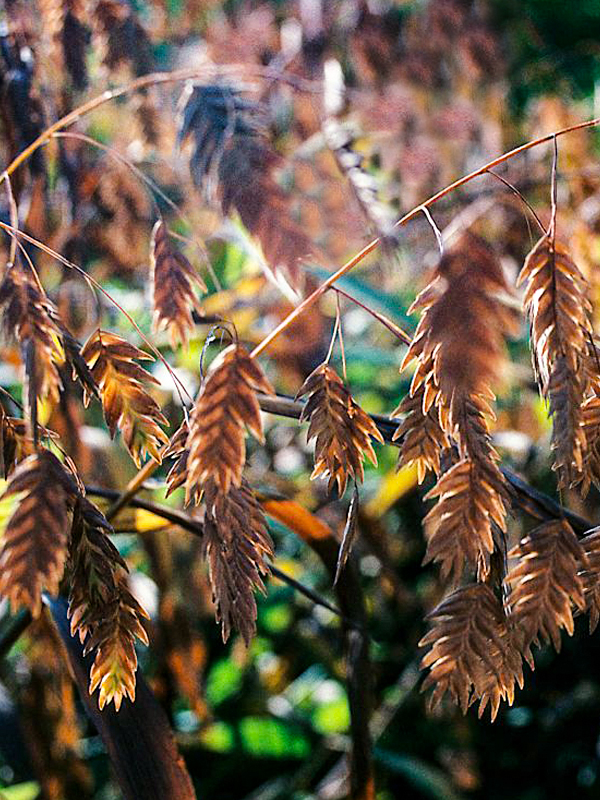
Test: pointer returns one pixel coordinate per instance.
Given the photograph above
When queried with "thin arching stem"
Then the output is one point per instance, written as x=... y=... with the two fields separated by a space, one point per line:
x=14 y=220
x=369 y=248
x=387 y=323
x=523 y=199
x=436 y=231
x=333 y=335
x=554 y=193
x=341 y=335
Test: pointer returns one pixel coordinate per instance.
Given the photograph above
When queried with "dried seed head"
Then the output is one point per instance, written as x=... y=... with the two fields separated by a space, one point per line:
x=459 y=528
x=556 y=299
x=127 y=405
x=225 y=406
x=544 y=582
x=34 y=544
x=471 y=653
x=236 y=544
x=173 y=283
x=342 y=430
x=28 y=318
x=103 y=612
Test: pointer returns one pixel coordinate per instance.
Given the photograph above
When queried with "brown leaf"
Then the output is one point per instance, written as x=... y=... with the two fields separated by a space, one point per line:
x=126 y=403
x=298 y=519
x=471 y=654
x=341 y=428
x=34 y=546
x=556 y=299
x=544 y=582
x=173 y=280
x=236 y=543
x=225 y=406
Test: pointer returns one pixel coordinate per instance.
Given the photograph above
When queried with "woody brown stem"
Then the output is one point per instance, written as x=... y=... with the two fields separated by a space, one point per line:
x=535 y=503
x=191 y=525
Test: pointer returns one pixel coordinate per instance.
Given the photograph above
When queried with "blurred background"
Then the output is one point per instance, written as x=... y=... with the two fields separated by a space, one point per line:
x=369 y=107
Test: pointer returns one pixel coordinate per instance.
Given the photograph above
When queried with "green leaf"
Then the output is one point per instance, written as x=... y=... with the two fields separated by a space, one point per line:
x=218 y=737
x=21 y=791
x=224 y=680
x=277 y=618
x=271 y=738
x=333 y=716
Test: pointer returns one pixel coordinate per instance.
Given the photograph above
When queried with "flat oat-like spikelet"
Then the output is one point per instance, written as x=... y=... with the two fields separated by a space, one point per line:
x=556 y=299
x=123 y=39
x=544 y=582
x=236 y=544
x=15 y=444
x=590 y=575
x=34 y=544
x=28 y=318
x=103 y=612
x=126 y=403
x=471 y=654
x=459 y=528
x=459 y=342
x=342 y=430
x=232 y=153
x=74 y=38
x=173 y=283
x=423 y=438
x=225 y=406
x=177 y=451
x=459 y=347
x=590 y=473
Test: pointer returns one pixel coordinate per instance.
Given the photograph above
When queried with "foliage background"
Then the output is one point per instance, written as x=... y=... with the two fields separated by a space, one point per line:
x=434 y=89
